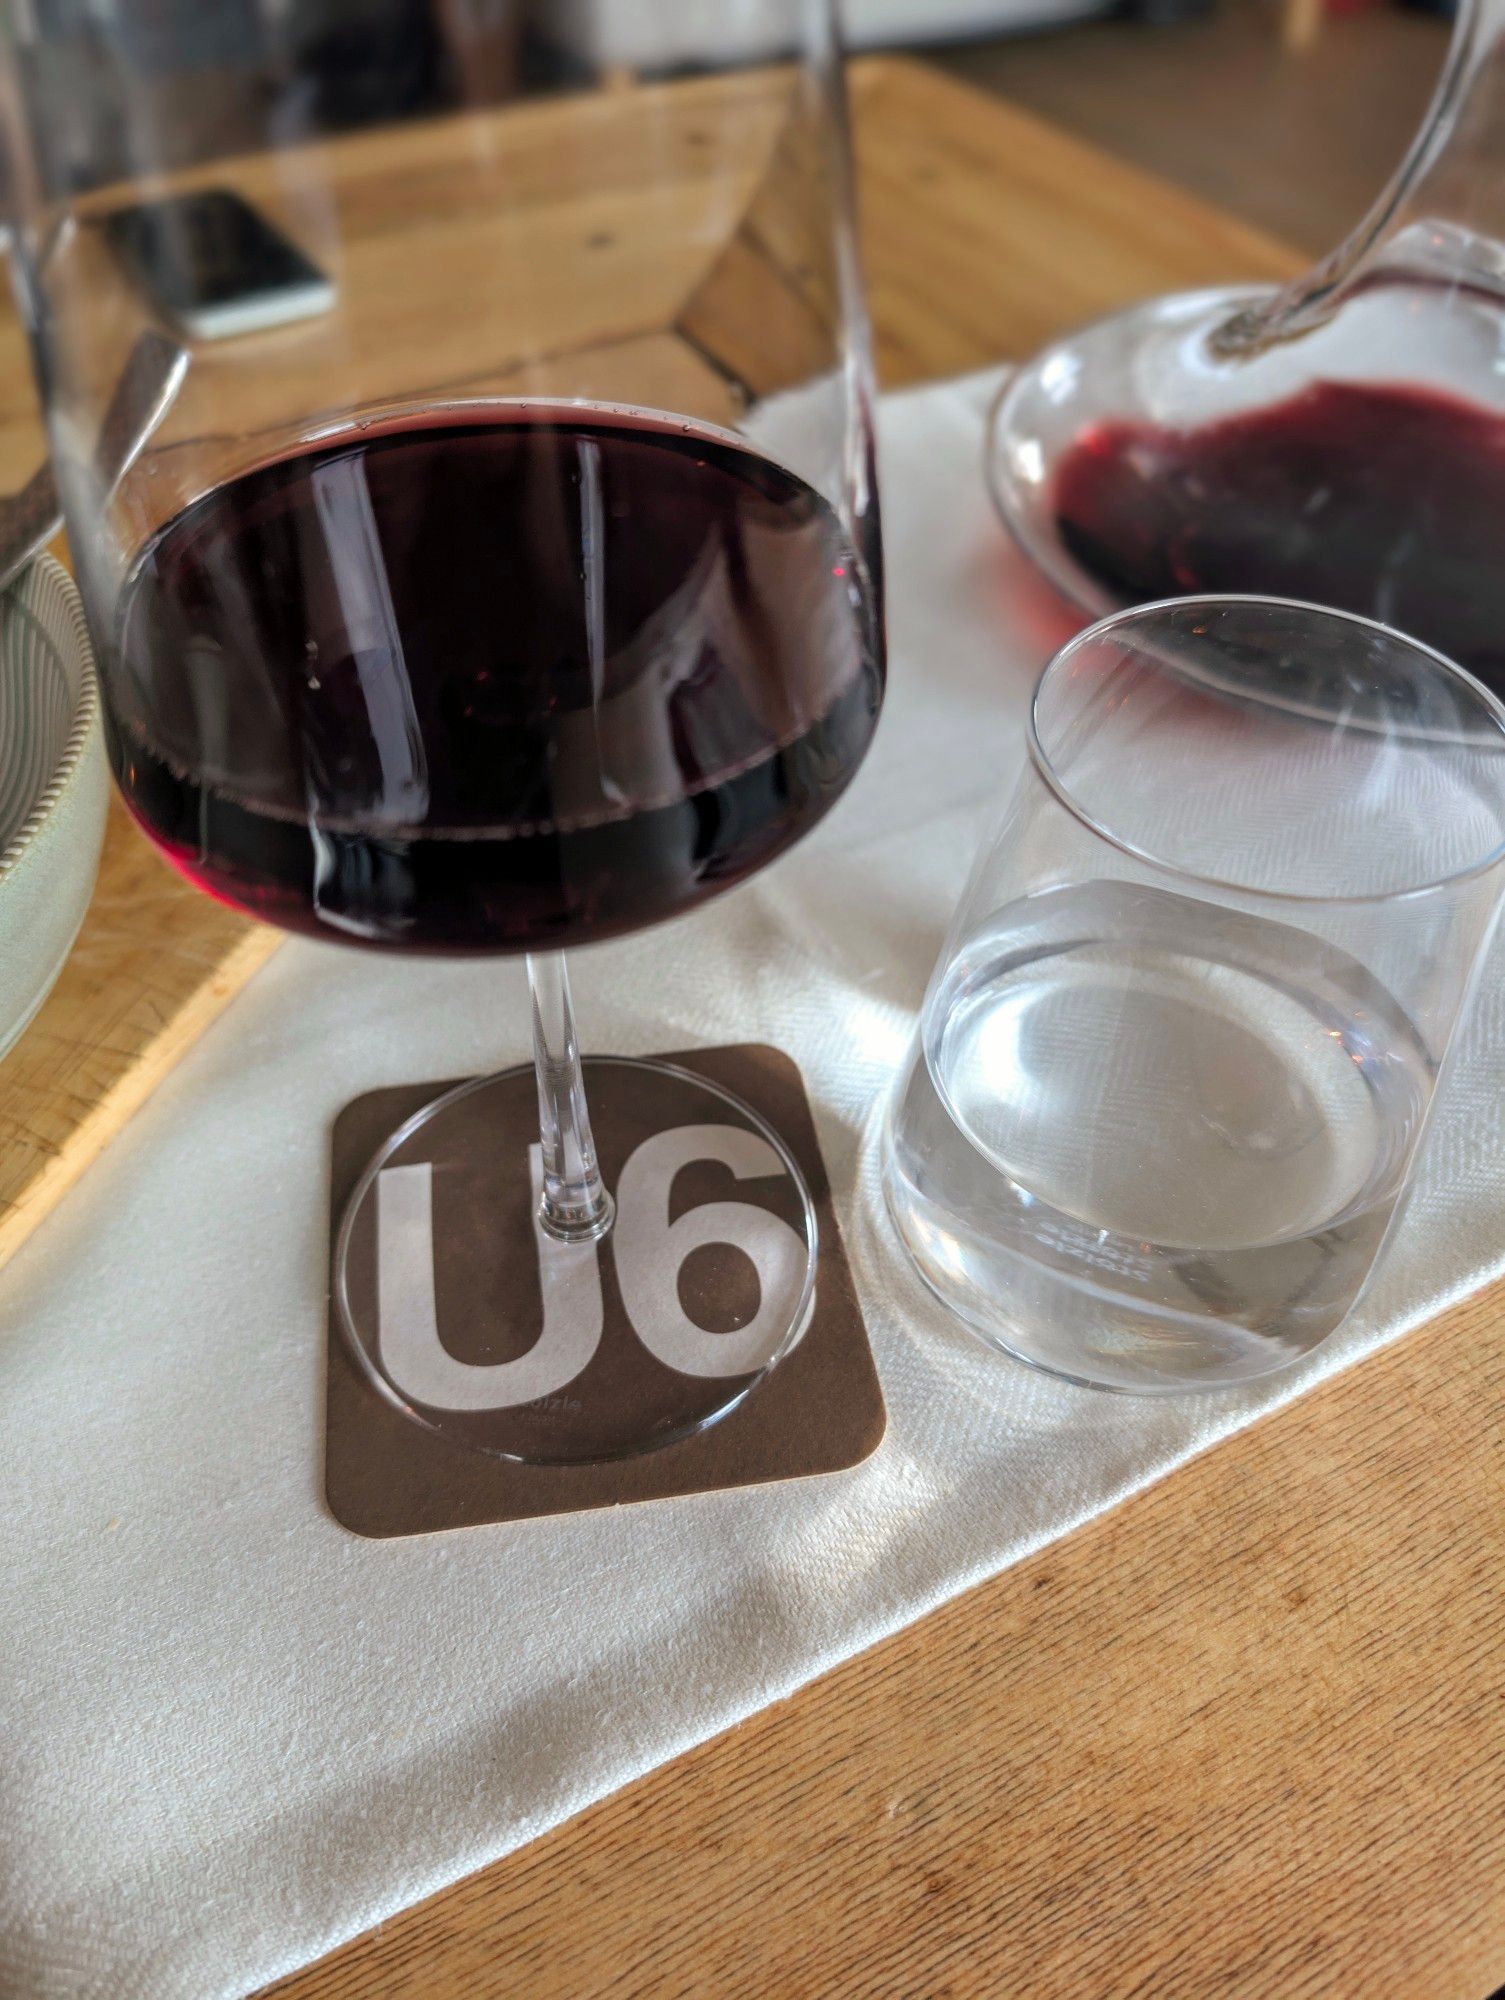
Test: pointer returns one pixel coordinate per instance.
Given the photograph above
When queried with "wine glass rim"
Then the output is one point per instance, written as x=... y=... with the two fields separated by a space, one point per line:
x=1213 y=601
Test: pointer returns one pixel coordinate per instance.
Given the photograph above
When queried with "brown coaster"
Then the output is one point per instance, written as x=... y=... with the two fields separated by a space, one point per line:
x=820 y=1409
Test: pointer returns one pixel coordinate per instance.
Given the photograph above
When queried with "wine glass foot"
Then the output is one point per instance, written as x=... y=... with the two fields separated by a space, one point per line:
x=463 y=1311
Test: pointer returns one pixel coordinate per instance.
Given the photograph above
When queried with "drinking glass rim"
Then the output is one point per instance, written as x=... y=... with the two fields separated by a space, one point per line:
x=1215 y=601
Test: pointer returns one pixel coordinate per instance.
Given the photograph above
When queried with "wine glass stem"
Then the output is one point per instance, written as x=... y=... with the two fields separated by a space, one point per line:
x=576 y=1207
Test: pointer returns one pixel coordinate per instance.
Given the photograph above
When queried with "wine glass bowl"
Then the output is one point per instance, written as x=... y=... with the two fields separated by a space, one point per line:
x=433 y=739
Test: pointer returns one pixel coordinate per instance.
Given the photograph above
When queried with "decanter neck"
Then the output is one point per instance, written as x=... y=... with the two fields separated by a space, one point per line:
x=1439 y=222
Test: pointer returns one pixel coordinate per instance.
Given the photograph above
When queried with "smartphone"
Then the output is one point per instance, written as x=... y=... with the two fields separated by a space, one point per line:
x=215 y=266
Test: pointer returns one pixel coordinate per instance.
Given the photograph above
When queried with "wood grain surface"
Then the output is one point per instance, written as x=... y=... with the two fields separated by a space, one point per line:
x=1217 y=105
x=154 y=963
x=1243 y=1737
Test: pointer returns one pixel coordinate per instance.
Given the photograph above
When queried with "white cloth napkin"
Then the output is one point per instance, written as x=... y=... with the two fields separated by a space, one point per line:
x=231 y=1734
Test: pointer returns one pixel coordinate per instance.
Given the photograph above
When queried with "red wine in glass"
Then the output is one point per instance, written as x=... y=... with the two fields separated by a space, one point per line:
x=494 y=679
x=1385 y=499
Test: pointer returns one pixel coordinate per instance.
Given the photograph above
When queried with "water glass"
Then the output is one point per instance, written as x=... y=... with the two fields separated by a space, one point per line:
x=1175 y=1064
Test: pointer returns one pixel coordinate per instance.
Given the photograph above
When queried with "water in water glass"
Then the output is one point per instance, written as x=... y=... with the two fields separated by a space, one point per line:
x=1173 y=1134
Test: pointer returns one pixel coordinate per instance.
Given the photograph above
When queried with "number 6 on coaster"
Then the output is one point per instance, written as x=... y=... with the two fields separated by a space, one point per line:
x=477 y=1320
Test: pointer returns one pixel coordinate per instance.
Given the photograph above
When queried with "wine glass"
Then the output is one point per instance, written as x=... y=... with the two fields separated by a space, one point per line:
x=503 y=577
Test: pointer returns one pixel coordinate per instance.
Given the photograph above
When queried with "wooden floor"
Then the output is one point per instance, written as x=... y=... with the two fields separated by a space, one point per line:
x=1296 y=143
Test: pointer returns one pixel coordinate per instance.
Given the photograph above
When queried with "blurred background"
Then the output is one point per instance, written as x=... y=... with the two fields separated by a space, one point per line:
x=1288 y=113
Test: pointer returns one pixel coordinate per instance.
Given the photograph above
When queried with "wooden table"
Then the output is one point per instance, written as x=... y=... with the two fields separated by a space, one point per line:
x=1246 y=1735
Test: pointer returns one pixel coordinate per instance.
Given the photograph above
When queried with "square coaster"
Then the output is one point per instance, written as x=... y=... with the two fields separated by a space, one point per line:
x=820 y=1409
